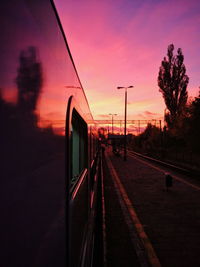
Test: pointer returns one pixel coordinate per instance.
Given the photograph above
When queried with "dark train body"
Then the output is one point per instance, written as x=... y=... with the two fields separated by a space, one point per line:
x=49 y=150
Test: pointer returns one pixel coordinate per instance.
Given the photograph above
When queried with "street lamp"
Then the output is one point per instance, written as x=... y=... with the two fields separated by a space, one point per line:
x=125 y=114
x=112 y=119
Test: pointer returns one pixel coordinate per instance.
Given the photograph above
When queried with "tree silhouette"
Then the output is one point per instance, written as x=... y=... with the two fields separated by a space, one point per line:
x=29 y=80
x=194 y=124
x=173 y=81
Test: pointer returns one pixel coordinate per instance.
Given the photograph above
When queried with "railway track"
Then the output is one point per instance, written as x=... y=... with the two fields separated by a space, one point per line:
x=180 y=174
x=182 y=170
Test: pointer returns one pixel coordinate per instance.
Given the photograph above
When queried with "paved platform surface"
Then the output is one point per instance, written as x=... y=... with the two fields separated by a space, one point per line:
x=119 y=249
x=170 y=219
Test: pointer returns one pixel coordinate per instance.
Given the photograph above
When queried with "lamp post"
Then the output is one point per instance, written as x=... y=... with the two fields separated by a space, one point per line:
x=112 y=119
x=125 y=115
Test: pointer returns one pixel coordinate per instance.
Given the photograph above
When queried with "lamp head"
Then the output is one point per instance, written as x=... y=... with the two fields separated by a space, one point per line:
x=121 y=87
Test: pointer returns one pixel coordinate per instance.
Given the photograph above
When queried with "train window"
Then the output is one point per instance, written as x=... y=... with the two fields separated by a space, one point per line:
x=79 y=146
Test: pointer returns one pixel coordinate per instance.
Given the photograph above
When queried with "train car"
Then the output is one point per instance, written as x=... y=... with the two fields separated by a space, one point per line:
x=49 y=149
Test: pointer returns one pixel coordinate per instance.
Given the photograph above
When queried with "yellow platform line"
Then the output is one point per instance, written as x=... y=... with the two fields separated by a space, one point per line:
x=152 y=257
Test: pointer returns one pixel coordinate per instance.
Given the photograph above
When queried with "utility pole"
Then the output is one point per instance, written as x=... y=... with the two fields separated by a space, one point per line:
x=125 y=117
x=112 y=120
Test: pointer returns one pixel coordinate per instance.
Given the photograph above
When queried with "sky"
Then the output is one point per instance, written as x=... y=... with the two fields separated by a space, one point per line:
x=122 y=43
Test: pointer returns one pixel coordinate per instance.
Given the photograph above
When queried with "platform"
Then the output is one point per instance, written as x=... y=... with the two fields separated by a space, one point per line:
x=167 y=231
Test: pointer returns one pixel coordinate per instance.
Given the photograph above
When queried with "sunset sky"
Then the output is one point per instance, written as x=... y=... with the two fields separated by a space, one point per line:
x=122 y=42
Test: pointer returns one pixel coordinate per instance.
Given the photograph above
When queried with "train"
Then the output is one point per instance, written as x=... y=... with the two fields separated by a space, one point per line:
x=50 y=155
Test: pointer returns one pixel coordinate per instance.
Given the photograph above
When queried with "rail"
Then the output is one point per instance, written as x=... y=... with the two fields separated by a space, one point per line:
x=166 y=164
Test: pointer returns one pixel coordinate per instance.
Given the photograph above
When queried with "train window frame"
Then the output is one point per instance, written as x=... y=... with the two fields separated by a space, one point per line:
x=74 y=112
x=79 y=146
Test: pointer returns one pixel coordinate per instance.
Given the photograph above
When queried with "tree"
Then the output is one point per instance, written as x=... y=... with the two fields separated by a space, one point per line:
x=149 y=140
x=29 y=80
x=194 y=124
x=173 y=81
